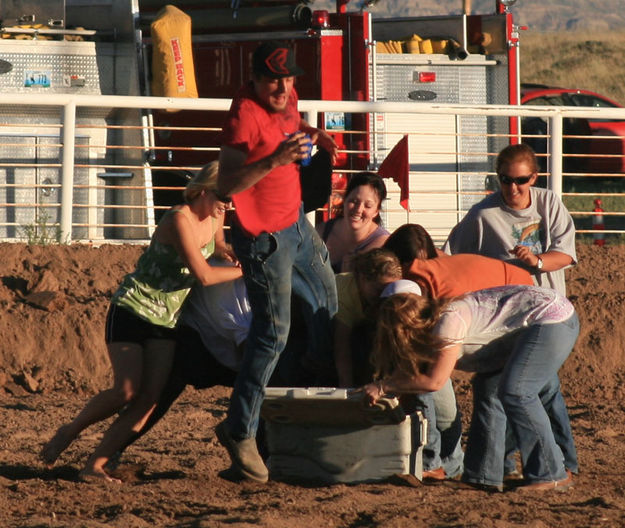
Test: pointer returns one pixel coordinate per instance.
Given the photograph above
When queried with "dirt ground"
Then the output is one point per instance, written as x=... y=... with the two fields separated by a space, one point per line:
x=53 y=302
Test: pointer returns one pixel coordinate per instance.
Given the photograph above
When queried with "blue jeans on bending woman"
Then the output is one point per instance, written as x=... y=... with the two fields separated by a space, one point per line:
x=274 y=265
x=444 y=431
x=527 y=390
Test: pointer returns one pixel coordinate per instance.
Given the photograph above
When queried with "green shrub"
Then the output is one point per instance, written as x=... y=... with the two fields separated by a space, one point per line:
x=42 y=232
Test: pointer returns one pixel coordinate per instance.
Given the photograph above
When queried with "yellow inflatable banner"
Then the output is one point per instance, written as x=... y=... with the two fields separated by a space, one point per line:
x=173 y=74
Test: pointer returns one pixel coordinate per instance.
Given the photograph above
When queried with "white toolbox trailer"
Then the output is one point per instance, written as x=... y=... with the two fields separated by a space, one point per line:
x=103 y=60
x=329 y=435
x=449 y=155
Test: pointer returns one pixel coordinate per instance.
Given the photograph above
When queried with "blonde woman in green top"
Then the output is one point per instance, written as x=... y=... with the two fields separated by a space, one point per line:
x=143 y=313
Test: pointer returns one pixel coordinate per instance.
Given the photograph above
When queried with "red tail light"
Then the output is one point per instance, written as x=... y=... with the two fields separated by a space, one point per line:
x=320 y=19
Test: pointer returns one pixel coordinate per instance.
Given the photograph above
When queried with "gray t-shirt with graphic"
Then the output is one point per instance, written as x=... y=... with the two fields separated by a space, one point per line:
x=491 y=228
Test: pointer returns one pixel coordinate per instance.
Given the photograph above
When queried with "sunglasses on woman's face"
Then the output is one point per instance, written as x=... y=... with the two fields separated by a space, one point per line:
x=509 y=180
x=222 y=197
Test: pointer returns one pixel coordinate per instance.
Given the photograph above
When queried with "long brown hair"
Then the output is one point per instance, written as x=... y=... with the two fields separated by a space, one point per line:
x=404 y=340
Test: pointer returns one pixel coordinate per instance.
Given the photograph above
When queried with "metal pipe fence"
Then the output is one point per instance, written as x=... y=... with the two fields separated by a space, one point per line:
x=103 y=168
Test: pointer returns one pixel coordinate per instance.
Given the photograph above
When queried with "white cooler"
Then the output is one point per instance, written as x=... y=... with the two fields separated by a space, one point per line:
x=329 y=435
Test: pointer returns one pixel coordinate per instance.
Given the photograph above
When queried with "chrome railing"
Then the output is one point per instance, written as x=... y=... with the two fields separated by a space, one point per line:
x=83 y=167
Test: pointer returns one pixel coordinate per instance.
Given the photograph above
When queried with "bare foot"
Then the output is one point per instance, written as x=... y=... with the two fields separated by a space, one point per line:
x=59 y=443
x=96 y=475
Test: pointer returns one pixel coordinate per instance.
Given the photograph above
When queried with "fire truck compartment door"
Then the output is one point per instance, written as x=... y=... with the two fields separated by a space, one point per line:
x=448 y=153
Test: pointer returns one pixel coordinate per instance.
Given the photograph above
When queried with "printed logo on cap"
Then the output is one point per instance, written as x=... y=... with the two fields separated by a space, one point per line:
x=277 y=60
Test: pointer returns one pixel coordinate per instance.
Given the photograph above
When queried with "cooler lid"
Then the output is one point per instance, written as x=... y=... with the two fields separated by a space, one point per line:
x=328 y=406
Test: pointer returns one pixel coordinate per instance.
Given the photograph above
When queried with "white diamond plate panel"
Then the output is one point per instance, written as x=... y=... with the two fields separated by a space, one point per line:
x=24 y=203
x=57 y=67
x=450 y=155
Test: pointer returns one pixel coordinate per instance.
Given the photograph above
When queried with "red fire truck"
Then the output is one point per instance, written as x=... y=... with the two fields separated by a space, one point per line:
x=105 y=47
x=348 y=55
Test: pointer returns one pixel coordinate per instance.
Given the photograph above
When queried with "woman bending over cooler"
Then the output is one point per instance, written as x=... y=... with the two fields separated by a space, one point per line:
x=419 y=342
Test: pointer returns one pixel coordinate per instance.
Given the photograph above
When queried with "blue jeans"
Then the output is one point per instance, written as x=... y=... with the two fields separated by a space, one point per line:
x=527 y=390
x=432 y=447
x=293 y=260
x=553 y=402
x=444 y=436
x=483 y=455
x=485 y=448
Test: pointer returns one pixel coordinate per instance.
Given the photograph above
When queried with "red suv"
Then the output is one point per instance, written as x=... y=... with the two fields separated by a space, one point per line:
x=611 y=143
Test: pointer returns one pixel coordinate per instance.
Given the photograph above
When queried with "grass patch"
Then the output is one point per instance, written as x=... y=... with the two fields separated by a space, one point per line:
x=585 y=60
x=41 y=232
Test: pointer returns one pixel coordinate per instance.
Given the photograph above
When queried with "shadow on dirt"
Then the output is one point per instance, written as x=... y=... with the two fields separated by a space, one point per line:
x=127 y=473
x=21 y=472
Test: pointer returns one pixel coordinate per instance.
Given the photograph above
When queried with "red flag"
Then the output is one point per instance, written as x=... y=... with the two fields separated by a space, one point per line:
x=396 y=166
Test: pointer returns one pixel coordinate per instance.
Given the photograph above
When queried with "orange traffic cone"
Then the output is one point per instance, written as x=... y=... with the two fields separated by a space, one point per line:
x=597 y=224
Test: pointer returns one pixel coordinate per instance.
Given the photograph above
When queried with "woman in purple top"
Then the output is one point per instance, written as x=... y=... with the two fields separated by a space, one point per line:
x=420 y=341
x=358 y=228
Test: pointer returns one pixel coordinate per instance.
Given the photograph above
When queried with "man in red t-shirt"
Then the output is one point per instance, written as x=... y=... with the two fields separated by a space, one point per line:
x=263 y=140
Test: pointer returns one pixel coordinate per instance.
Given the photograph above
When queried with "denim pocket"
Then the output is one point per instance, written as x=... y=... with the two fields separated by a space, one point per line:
x=263 y=246
x=320 y=255
x=253 y=249
x=259 y=262
x=572 y=322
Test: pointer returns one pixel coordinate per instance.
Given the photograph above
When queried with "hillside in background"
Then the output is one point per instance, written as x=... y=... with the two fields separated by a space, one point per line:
x=561 y=15
x=586 y=60
x=568 y=43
